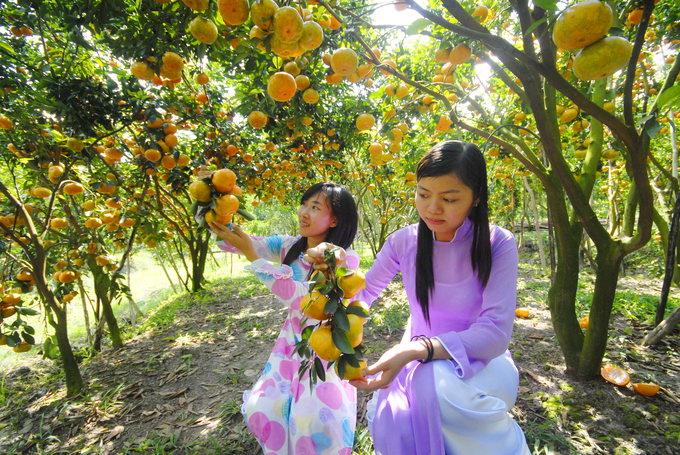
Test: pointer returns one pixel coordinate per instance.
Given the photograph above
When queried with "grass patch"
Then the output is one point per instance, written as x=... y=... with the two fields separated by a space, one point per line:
x=635 y=306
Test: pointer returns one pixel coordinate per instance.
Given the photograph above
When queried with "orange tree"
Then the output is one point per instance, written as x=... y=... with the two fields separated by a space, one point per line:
x=490 y=74
x=528 y=76
x=63 y=112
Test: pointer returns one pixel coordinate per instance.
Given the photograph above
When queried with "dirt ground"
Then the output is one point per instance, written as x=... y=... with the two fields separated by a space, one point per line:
x=178 y=389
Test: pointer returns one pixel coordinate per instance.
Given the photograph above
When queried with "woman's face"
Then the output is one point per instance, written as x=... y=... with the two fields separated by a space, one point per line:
x=316 y=217
x=443 y=203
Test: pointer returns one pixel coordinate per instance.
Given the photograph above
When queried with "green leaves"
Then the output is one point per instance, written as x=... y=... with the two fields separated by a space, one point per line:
x=341 y=341
x=418 y=26
x=549 y=5
x=669 y=98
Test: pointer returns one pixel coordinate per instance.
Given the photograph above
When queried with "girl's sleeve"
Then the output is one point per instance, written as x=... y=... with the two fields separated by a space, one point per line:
x=489 y=336
x=279 y=280
x=353 y=259
x=385 y=267
x=268 y=248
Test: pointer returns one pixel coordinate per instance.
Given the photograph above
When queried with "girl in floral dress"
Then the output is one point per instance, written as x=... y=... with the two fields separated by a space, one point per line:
x=281 y=411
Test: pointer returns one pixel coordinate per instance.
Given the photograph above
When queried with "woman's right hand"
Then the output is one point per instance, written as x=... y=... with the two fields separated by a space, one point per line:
x=316 y=256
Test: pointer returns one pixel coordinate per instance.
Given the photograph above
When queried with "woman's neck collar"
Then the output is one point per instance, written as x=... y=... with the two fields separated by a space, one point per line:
x=460 y=232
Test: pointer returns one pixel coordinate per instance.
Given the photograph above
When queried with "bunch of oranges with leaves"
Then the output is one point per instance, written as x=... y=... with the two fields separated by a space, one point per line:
x=217 y=198
x=336 y=338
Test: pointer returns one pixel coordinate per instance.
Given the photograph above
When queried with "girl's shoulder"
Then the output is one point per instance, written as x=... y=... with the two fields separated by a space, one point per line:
x=404 y=240
x=501 y=237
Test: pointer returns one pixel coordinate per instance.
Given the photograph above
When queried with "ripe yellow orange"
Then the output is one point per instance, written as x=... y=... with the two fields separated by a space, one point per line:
x=41 y=192
x=170 y=140
x=224 y=180
x=5 y=123
x=335 y=23
x=310 y=96
x=481 y=12
x=152 y=155
x=283 y=49
x=365 y=122
x=635 y=16
x=312 y=305
x=460 y=54
x=183 y=160
x=173 y=62
x=281 y=86
x=583 y=322
x=442 y=55
x=142 y=71
x=102 y=260
x=302 y=82
x=568 y=115
x=22 y=347
x=204 y=30
x=226 y=205
x=351 y=284
x=74 y=144
x=73 y=188
x=312 y=36
x=11 y=299
x=234 y=12
x=257 y=119
x=262 y=13
x=287 y=24
x=58 y=223
x=321 y=341
x=200 y=191
x=356 y=329
x=522 y=313
x=615 y=375
x=352 y=372
x=93 y=223
x=582 y=24
x=344 y=61
x=292 y=68
x=201 y=79
x=197 y=5
x=603 y=58
x=648 y=390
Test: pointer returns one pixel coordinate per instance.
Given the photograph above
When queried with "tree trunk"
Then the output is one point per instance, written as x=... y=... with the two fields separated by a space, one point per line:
x=74 y=381
x=595 y=344
x=562 y=293
x=663 y=329
x=198 y=258
x=101 y=288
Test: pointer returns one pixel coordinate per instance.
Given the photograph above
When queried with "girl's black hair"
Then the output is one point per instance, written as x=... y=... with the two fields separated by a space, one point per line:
x=343 y=208
x=466 y=162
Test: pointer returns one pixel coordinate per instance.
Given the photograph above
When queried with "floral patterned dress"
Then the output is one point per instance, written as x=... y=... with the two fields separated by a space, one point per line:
x=281 y=411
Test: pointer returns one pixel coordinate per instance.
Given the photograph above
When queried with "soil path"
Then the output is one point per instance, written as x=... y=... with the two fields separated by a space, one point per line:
x=180 y=388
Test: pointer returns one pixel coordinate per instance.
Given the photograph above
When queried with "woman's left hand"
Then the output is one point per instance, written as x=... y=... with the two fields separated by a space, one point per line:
x=316 y=256
x=390 y=365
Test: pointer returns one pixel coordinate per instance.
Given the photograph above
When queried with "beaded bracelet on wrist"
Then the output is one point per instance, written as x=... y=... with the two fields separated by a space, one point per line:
x=428 y=345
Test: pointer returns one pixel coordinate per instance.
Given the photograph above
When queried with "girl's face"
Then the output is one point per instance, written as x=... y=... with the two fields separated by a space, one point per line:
x=443 y=203
x=316 y=217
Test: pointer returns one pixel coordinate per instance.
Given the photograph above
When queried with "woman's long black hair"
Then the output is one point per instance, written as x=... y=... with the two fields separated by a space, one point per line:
x=466 y=162
x=343 y=208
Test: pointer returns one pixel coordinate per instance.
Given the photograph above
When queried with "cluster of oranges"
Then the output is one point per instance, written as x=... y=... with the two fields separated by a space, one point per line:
x=9 y=303
x=344 y=321
x=221 y=188
x=584 y=26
